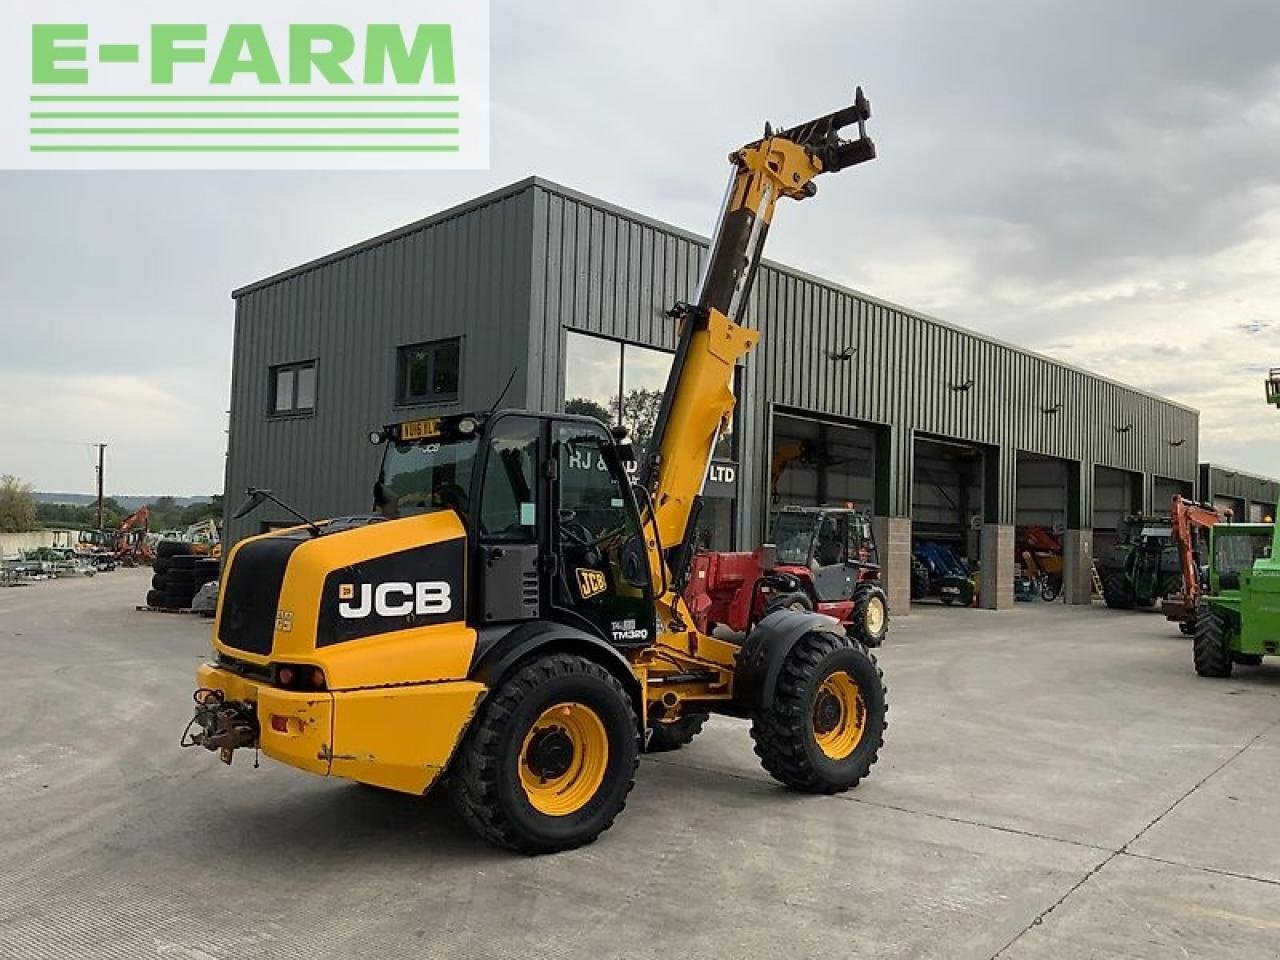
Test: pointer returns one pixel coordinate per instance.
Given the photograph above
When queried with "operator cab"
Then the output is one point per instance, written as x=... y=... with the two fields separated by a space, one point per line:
x=834 y=544
x=548 y=501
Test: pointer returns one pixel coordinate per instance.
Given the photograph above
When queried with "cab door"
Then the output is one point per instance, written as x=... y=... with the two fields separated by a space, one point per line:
x=602 y=574
x=834 y=575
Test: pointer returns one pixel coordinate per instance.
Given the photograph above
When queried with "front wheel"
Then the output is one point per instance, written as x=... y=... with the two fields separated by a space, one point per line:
x=823 y=730
x=1210 y=649
x=550 y=758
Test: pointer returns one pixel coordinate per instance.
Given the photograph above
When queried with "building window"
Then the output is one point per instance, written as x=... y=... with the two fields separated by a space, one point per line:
x=293 y=389
x=622 y=383
x=428 y=372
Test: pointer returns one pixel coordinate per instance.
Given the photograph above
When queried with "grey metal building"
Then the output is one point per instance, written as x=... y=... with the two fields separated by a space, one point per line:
x=1249 y=497
x=940 y=431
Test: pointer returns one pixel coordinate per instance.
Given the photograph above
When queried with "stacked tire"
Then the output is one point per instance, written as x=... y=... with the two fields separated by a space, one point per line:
x=178 y=575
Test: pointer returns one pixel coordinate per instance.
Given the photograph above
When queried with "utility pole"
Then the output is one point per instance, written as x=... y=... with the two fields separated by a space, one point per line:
x=101 y=448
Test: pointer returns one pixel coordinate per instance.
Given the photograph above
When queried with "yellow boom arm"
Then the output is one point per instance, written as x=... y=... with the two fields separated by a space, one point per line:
x=698 y=402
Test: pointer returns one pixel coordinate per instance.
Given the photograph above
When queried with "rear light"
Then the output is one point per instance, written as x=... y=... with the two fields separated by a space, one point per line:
x=298 y=676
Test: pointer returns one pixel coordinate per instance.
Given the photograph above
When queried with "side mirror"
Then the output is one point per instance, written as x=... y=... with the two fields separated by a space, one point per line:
x=253 y=499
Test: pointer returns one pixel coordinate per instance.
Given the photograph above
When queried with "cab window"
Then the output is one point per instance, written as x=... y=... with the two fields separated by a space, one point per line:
x=508 y=508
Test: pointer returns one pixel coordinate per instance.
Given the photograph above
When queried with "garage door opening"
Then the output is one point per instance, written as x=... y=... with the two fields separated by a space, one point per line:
x=1116 y=495
x=815 y=462
x=947 y=510
x=1164 y=489
x=1043 y=512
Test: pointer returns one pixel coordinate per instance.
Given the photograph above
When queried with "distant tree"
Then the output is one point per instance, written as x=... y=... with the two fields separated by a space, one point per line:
x=584 y=407
x=639 y=413
x=17 y=505
x=196 y=512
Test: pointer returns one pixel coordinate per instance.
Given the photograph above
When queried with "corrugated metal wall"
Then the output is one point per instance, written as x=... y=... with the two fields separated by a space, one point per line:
x=1220 y=481
x=465 y=273
x=605 y=270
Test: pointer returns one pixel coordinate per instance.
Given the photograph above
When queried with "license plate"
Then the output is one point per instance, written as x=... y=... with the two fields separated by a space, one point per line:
x=417 y=429
x=950 y=589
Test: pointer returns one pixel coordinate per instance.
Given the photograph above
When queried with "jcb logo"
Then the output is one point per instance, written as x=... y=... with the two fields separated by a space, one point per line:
x=591 y=582
x=396 y=599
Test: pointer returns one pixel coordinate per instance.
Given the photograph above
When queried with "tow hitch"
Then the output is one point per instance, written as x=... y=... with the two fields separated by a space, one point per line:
x=221 y=725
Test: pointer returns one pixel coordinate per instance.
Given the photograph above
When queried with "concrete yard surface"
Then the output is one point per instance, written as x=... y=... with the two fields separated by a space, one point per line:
x=1056 y=783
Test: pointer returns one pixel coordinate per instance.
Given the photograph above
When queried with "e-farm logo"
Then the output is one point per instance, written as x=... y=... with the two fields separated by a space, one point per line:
x=151 y=84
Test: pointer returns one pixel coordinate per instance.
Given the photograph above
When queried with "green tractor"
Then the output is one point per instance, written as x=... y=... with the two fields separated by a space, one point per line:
x=1238 y=619
x=1143 y=566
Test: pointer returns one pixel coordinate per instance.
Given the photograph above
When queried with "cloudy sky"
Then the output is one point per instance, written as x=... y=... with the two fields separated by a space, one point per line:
x=1094 y=180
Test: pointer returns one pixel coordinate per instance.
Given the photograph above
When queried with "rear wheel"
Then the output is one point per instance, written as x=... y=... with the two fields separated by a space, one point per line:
x=1209 y=649
x=549 y=760
x=1115 y=589
x=1247 y=659
x=825 y=726
x=674 y=734
x=870 y=620
x=796 y=602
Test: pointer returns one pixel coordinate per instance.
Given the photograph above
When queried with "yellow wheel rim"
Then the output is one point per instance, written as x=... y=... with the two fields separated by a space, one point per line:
x=875 y=615
x=563 y=759
x=839 y=716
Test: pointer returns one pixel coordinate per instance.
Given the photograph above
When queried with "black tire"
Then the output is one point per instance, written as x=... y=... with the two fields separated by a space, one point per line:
x=168 y=548
x=210 y=565
x=155 y=598
x=789 y=601
x=1188 y=627
x=160 y=581
x=184 y=590
x=674 y=734
x=184 y=561
x=867 y=598
x=162 y=565
x=1210 y=651
x=176 y=601
x=1116 y=592
x=1247 y=659
x=485 y=777
x=179 y=575
x=919 y=582
x=1050 y=589
x=785 y=732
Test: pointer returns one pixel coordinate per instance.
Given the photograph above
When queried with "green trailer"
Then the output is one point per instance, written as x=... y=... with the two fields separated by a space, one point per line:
x=1238 y=619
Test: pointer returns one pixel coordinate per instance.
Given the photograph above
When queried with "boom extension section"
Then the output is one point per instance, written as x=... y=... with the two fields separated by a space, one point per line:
x=698 y=401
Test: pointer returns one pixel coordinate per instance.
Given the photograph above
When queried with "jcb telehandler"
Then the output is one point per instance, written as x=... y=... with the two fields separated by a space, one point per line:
x=512 y=620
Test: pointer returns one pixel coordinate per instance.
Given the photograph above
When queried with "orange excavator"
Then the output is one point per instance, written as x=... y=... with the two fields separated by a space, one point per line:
x=131 y=545
x=1190 y=522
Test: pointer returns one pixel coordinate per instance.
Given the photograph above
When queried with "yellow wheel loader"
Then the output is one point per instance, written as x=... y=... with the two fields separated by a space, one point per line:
x=510 y=621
